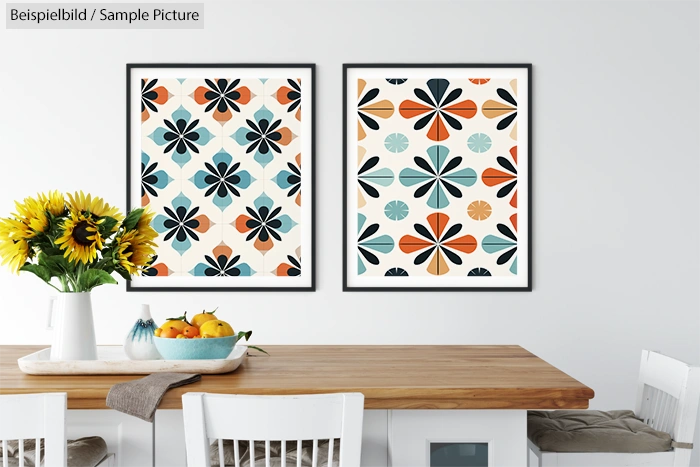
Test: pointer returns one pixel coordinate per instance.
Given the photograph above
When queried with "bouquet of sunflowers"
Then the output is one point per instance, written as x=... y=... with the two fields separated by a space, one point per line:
x=79 y=240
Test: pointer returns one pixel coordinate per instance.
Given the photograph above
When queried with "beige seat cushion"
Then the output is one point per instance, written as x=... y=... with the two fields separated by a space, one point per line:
x=83 y=452
x=593 y=431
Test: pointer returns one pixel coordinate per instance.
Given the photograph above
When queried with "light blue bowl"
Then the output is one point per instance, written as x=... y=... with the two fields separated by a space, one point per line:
x=195 y=349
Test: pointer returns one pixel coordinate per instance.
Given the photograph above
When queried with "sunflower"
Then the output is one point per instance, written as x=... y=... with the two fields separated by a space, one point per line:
x=134 y=251
x=81 y=238
x=14 y=249
x=54 y=202
x=144 y=224
x=89 y=206
x=32 y=214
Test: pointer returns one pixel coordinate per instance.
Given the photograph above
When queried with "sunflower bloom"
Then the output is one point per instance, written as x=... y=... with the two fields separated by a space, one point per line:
x=14 y=249
x=81 y=238
x=95 y=206
x=134 y=251
x=53 y=201
x=144 y=225
x=32 y=213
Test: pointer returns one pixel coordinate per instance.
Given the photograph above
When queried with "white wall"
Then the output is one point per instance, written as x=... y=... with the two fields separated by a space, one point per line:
x=615 y=161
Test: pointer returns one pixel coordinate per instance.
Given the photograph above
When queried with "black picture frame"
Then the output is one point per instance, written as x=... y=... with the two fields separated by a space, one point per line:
x=346 y=287
x=313 y=262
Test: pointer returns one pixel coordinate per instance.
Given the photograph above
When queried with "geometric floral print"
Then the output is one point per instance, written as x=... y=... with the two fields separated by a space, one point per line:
x=221 y=162
x=436 y=181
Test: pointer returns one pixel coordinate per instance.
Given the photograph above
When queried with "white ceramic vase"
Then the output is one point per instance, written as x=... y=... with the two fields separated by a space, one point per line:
x=73 y=327
x=139 y=344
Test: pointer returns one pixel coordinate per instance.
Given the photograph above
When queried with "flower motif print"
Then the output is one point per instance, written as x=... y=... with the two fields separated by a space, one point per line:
x=396 y=143
x=222 y=263
x=368 y=109
x=181 y=136
x=152 y=180
x=479 y=142
x=222 y=96
x=264 y=223
x=505 y=109
x=368 y=177
x=291 y=97
x=505 y=244
x=506 y=175
x=290 y=268
x=438 y=108
x=265 y=135
x=150 y=96
x=369 y=245
x=222 y=179
x=436 y=242
x=157 y=269
x=291 y=179
x=436 y=176
x=180 y=224
x=479 y=272
x=396 y=272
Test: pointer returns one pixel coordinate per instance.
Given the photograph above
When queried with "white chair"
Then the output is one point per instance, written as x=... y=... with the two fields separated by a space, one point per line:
x=221 y=417
x=668 y=393
x=36 y=417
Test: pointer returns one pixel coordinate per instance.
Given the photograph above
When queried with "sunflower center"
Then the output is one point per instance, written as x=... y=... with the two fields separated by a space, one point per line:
x=81 y=234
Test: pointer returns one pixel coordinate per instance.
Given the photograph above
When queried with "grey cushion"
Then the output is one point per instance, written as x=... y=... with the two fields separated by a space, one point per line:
x=593 y=431
x=83 y=452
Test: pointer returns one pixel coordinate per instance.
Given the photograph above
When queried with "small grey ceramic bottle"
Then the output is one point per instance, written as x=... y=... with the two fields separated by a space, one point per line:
x=139 y=344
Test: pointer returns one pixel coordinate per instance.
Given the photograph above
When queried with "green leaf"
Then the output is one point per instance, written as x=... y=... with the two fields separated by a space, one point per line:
x=57 y=265
x=91 y=278
x=42 y=272
x=108 y=224
x=122 y=272
x=258 y=349
x=245 y=334
x=129 y=223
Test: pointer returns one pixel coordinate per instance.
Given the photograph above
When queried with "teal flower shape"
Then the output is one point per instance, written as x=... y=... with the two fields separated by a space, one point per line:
x=396 y=143
x=222 y=179
x=180 y=225
x=181 y=136
x=479 y=142
x=265 y=135
x=396 y=210
x=152 y=180
x=366 y=241
x=506 y=245
x=440 y=175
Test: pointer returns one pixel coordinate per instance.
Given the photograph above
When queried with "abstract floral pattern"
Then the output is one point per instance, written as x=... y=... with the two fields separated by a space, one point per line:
x=221 y=166
x=436 y=181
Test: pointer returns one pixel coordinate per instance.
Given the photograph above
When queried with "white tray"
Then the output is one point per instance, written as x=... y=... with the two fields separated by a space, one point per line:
x=111 y=360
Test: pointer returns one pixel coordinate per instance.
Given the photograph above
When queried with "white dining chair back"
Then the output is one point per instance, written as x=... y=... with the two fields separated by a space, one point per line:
x=35 y=416
x=217 y=417
x=668 y=393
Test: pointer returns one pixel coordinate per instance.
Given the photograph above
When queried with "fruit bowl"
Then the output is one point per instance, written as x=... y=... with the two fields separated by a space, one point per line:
x=195 y=349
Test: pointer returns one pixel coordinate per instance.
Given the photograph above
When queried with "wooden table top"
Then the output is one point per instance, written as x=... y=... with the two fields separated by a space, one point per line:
x=390 y=377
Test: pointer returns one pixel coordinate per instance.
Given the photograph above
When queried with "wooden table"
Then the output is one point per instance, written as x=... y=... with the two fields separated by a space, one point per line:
x=402 y=381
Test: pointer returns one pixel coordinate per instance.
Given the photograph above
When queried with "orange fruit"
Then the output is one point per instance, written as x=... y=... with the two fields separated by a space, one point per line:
x=170 y=332
x=175 y=323
x=190 y=331
x=157 y=332
x=201 y=318
x=216 y=328
x=181 y=336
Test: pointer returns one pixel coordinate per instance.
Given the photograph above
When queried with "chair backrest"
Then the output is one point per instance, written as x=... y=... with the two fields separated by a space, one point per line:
x=270 y=419
x=35 y=416
x=668 y=393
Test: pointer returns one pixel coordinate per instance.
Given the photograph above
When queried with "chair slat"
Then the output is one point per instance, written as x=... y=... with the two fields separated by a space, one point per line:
x=251 y=450
x=652 y=409
x=21 y=454
x=330 y=452
x=283 y=449
x=267 y=453
x=298 y=453
x=314 y=455
x=4 y=453
x=221 y=453
x=236 y=453
x=664 y=412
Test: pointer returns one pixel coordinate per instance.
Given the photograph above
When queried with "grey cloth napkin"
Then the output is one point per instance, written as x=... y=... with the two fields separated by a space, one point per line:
x=83 y=452
x=141 y=397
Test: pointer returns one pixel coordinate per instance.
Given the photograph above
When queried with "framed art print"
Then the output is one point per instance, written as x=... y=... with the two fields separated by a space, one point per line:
x=437 y=172
x=224 y=156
